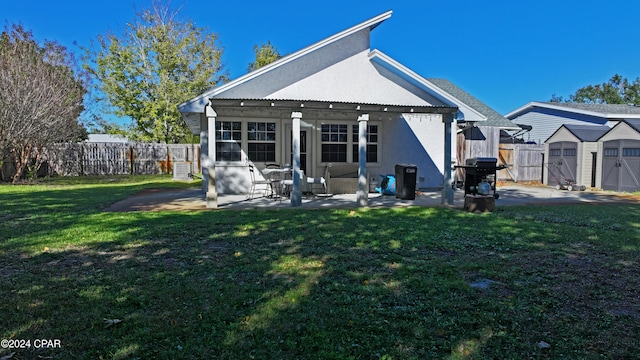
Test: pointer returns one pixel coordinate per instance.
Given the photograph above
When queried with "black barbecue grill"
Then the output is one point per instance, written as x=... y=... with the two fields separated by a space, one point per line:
x=480 y=176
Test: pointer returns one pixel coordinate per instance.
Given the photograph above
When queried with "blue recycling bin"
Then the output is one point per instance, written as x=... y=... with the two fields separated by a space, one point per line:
x=387 y=185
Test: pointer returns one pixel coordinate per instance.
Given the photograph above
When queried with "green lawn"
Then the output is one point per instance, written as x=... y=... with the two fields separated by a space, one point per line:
x=407 y=283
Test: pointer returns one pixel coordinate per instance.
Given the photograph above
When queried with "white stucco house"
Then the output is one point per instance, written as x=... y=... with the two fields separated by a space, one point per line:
x=334 y=102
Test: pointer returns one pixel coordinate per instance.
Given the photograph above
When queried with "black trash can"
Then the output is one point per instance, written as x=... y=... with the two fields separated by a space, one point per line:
x=406 y=181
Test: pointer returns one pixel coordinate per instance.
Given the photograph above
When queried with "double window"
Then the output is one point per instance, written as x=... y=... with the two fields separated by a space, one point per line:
x=260 y=136
x=337 y=140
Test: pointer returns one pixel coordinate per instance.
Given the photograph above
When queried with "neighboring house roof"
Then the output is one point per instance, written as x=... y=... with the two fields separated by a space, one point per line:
x=607 y=111
x=587 y=133
x=493 y=117
x=634 y=123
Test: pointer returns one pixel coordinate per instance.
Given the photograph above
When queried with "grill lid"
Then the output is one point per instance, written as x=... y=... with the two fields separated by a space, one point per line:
x=482 y=162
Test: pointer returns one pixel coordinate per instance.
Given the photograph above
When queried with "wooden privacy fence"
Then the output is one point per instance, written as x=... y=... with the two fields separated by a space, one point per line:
x=75 y=159
x=523 y=161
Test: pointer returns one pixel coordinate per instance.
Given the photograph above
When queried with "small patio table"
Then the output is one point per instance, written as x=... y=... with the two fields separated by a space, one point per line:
x=277 y=176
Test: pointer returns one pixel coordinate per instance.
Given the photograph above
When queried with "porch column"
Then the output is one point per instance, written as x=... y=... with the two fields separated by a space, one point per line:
x=210 y=161
x=363 y=194
x=204 y=151
x=447 y=191
x=296 y=194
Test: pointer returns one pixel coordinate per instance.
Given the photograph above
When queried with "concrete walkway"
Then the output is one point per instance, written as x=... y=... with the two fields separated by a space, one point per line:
x=510 y=195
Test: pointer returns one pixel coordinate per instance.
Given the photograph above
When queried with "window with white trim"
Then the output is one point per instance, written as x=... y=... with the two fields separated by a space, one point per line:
x=261 y=145
x=334 y=142
x=228 y=137
x=372 y=143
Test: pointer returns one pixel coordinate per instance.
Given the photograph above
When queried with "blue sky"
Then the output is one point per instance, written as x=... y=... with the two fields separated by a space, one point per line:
x=505 y=53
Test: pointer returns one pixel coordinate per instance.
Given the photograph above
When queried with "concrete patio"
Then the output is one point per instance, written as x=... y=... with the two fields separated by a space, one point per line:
x=510 y=195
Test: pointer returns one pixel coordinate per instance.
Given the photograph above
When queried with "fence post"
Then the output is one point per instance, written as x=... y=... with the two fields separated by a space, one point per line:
x=131 y=159
x=168 y=160
x=81 y=159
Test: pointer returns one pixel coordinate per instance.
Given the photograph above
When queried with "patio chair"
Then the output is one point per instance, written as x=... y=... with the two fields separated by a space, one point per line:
x=287 y=184
x=321 y=180
x=255 y=181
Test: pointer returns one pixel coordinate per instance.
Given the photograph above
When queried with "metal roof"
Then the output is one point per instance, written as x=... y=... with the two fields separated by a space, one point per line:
x=301 y=105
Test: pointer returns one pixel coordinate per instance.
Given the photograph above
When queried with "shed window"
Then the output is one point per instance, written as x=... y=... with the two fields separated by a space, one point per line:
x=611 y=152
x=554 y=152
x=569 y=152
x=631 y=152
x=261 y=138
x=228 y=136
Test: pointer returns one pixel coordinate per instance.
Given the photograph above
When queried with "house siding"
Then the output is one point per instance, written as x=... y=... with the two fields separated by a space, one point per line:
x=546 y=121
x=416 y=139
x=356 y=79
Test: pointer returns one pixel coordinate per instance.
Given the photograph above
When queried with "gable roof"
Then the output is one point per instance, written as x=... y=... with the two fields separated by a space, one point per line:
x=587 y=133
x=197 y=104
x=493 y=117
x=634 y=123
x=607 y=111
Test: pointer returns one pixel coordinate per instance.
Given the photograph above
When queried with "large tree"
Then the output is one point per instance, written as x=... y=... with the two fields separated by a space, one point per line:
x=265 y=54
x=159 y=62
x=41 y=98
x=617 y=90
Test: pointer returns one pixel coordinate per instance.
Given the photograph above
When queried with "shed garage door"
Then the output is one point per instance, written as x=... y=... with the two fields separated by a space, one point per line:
x=562 y=163
x=621 y=165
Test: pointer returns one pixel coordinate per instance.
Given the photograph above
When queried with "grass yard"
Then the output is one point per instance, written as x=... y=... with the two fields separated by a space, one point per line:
x=407 y=283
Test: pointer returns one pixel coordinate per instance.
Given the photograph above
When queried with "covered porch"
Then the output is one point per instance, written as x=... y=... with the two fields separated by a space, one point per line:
x=299 y=127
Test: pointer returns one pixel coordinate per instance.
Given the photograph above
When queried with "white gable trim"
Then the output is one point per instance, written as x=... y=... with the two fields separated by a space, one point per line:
x=198 y=103
x=383 y=59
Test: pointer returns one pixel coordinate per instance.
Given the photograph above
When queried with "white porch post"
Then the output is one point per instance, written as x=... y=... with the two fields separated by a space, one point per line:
x=204 y=151
x=296 y=194
x=210 y=161
x=447 y=191
x=363 y=194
